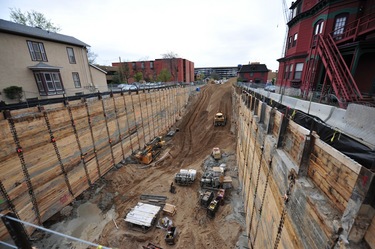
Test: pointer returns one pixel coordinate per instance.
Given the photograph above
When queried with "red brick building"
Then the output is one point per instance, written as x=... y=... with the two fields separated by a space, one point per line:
x=254 y=72
x=330 y=49
x=181 y=70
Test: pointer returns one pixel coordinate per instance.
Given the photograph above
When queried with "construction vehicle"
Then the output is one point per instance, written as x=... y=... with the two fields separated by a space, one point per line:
x=185 y=176
x=214 y=205
x=170 y=236
x=212 y=208
x=220 y=119
x=206 y=198
x=216 y=153
x=150 y=151
x=210 y=180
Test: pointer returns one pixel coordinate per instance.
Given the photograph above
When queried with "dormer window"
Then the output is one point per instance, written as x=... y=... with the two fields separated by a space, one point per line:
x=296 y=10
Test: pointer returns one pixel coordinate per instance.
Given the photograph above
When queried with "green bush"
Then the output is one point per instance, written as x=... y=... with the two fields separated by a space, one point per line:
x=13 y=92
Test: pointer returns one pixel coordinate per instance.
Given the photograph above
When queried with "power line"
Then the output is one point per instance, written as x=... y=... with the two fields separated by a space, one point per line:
x=53 y=232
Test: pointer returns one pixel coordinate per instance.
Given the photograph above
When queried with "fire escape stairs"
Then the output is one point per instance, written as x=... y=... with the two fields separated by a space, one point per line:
x=340 y=77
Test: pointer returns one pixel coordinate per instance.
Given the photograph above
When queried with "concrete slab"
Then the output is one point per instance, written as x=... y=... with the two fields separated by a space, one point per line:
x=357 y=121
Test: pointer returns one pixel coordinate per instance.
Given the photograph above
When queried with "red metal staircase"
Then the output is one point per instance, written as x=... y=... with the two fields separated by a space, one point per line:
x=341 y=79
x=338 y=76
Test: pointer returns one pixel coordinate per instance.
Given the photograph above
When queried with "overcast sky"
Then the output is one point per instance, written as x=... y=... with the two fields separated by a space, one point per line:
x=210 y=33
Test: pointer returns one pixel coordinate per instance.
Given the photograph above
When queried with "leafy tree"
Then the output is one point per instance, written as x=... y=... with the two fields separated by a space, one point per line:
x=215 y=75
x=200 y=76
x=164 y=75
x=13 y=92
x=138 y=76
x=33 y=18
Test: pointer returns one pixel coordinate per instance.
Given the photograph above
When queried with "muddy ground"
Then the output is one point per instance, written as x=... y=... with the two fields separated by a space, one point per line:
x=98 y=214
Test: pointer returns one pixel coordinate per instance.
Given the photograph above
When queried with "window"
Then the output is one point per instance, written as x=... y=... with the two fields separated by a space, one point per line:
x=289 y=73
x=298 y=71
x=290 y=42
x=37 y=51
x=340 y=21
x=295 y=39
x=286 y=71
x=318 y=29
x=151 y=64
x=72 y=58
x=77 y=82
x=39 y=82
x=133 y=65
x=251 y=74
x=49 y=83
x=296 y=10
x=143 y=65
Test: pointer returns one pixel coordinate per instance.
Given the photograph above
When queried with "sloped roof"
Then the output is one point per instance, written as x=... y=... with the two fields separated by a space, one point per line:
x=42 y=65
x=252 y=68
x=98 y=68
x=23 y=30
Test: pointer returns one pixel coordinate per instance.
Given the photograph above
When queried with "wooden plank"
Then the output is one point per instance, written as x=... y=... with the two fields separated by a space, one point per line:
x=52 y=197
x=11 y=172
x=78 y=180
x=354 y=166
x=117 y=152
x=6 y=137
x=319 y=177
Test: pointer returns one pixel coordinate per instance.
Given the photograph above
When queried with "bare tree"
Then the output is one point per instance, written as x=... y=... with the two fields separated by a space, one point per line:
x=124 y=71
x=91 y=56
x=33 y=18
x=173 y=64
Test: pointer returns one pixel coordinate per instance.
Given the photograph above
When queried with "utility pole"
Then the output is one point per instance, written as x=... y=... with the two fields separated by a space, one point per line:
x=120 y=69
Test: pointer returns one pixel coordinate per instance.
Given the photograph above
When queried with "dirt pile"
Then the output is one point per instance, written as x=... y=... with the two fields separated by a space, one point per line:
x=189 y=148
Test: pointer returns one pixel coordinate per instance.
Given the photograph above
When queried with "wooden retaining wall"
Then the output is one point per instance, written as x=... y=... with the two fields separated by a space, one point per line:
x=298 y=191
x=51 y=154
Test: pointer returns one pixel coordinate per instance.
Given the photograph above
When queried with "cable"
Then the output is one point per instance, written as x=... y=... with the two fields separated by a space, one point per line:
x=54 y=232
x=9 y=245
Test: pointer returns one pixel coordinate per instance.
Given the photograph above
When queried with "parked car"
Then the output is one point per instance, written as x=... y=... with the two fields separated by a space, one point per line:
x=127 y=87
x=270 y=88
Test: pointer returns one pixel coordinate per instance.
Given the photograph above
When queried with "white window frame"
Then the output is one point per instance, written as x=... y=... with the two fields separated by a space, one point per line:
x=71 y=56
x=298 y=71
x=37 y=51
x=76 y=80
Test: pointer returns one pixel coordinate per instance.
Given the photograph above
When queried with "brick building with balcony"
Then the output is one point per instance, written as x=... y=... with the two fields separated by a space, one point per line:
x=330 y=50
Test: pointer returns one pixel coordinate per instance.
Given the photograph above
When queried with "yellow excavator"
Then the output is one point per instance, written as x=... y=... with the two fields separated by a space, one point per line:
x=150 y=151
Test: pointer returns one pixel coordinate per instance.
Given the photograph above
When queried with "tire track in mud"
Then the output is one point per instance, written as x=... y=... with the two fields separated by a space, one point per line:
x=188 y=134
